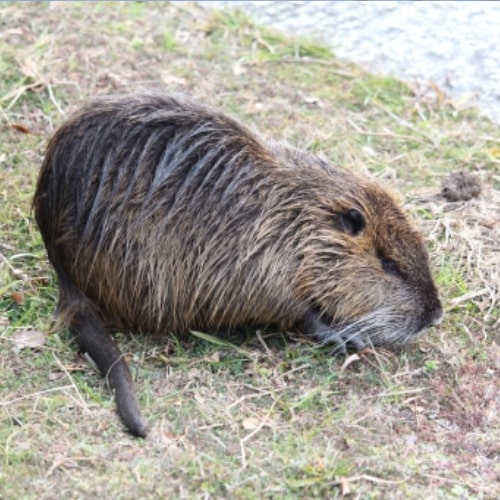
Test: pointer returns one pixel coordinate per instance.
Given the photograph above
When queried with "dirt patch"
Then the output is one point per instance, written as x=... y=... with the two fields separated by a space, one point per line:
x=461 y=186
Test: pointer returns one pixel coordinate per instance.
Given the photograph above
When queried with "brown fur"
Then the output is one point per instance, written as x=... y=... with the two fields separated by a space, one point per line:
x=161 y=215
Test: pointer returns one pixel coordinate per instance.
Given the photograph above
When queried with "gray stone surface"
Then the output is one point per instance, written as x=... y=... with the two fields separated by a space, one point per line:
x=455 y=44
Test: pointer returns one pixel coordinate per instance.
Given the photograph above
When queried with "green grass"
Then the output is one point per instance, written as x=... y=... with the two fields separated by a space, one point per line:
x=241 y=417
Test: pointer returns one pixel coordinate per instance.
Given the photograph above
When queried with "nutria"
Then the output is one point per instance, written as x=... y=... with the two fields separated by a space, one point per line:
x=163 y=215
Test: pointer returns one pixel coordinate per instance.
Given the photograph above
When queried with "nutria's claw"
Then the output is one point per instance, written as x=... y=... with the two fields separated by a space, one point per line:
x=343 y=343
x=339 y=351
x=349 y=338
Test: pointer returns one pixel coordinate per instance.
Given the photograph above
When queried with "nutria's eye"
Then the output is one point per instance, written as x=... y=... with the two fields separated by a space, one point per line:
x=352 y=222
x=390 y=267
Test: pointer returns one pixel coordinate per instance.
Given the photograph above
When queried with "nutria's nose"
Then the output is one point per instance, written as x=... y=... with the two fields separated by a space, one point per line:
x=438 y=316
x=432 y=311
x=436 y=313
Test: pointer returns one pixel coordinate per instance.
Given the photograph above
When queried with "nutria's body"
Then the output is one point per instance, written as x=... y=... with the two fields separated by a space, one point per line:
x=161 y=215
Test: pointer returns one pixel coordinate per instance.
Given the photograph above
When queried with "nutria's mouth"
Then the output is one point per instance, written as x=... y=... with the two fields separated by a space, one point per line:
x=380 y=328
x=345 y=337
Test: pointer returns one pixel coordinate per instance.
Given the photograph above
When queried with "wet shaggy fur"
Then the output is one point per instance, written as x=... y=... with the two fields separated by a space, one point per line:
x=162 y=215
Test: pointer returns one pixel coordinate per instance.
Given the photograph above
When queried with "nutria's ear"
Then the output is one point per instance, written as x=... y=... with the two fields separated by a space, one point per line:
x=352 y=222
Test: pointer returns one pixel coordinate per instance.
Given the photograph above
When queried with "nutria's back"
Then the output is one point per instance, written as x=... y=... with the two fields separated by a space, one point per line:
x=161 y=215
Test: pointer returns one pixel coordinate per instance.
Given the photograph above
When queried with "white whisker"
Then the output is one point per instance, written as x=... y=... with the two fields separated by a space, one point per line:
x=383 y=327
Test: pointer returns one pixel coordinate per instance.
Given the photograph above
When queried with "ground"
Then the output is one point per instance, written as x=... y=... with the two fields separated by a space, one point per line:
x=261 y=416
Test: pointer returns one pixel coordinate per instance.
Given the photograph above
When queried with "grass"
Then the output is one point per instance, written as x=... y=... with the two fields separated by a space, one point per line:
x=261 y=416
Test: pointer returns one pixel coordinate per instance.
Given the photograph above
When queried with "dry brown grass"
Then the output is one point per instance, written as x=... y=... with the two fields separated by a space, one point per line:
x=271 y=417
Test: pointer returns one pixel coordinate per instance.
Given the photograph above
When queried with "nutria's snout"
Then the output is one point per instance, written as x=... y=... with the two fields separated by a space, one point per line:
x=163 y=215
x=379 y=328
x=435 y=314
x=438 y=316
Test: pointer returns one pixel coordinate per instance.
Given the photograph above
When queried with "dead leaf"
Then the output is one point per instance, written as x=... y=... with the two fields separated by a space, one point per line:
x=26 y=337
x=238 y=68
x=313 y=101
x=19 y=274
x=251 y=423
x=21 y=128
x=349 y=361
x=214 y=358
x=56 y=376
x=18 y=298
x=345 y=487
x=172 y=80
x=495 y=355
x=14 y=31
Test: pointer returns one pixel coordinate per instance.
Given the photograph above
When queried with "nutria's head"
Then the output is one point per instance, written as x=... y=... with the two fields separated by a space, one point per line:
x=365 y=267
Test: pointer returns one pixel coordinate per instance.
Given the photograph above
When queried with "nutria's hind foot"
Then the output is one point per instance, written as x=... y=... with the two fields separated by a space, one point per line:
x=94 y=339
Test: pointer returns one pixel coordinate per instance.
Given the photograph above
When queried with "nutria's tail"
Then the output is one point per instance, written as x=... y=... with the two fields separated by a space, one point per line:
x=94 y=339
